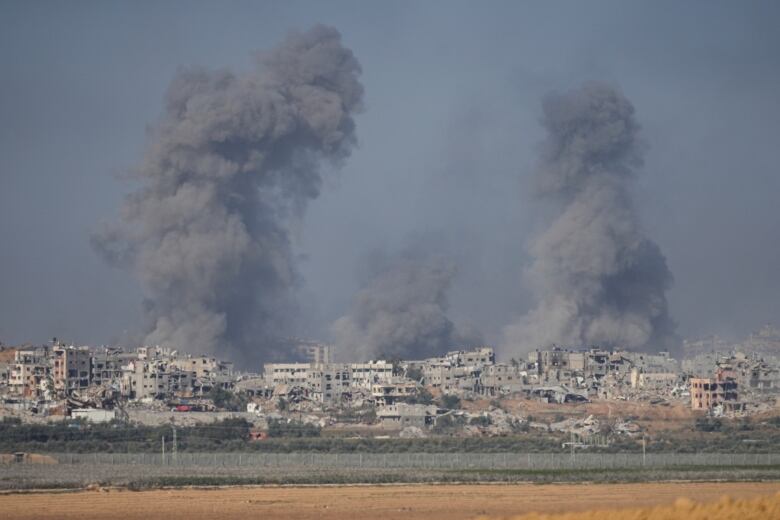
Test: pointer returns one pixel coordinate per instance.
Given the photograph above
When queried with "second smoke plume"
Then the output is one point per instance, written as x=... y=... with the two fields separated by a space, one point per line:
x=600 y=280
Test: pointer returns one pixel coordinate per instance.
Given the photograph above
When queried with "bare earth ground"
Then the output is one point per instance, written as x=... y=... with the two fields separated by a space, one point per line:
x=429 y=502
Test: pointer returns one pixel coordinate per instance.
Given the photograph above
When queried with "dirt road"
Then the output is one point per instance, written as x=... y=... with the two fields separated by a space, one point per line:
x=429 y=502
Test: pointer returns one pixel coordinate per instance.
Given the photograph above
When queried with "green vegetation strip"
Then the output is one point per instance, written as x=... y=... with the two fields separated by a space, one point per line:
x=539 y=476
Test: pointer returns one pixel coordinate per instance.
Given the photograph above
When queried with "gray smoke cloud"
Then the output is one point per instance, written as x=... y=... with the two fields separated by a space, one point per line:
x=233 y=160
x=401 y=311
x=600 y=280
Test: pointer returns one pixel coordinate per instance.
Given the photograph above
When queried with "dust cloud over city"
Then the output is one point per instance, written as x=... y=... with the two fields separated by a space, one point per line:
x=262 y=259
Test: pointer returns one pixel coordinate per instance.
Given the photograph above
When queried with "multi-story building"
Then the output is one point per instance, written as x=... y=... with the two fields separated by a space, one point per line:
x=393 y=391
x=153 y=379
x=652 y=363
x=109 y=366
x=707 y=393
x=30 y=375
x=313 y=351
x=287 y=373
x=440 y=374
x=456 y=370
x=366 y=374
x=657 y=381
x=201 y=366
x=501 y=378
x=329 y=382
x=479 y=357
x=71 y=368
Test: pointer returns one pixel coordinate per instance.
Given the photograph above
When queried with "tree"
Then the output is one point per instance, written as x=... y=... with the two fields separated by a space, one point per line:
x=227 y=400
x=450 y=401
x=423 y=397
x=369 y=416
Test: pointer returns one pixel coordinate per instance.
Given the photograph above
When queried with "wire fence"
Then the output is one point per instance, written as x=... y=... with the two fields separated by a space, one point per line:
x=436 y=461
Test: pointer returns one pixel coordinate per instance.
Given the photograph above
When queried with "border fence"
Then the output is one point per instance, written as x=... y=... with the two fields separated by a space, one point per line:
x=432 y=461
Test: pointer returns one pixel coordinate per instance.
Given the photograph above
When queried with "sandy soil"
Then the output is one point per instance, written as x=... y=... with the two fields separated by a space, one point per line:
x=439 y=502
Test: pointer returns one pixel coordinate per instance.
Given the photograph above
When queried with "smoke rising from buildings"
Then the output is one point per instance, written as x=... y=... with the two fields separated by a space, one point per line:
x=600 y=280
x=233 y=159
x=401 y=311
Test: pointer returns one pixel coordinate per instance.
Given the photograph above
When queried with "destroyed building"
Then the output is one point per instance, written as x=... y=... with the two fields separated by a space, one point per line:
x=402 y=415
x=707 y=393
x=60 y=379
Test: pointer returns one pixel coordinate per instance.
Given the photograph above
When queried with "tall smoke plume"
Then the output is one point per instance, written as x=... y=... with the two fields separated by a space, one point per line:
x=233 y=159
x=600 y=280
x=401 y=312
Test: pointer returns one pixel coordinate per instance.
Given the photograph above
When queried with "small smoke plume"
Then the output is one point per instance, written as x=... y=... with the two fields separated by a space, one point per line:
x=401 y=312
x=234 y=158
x=601 y=281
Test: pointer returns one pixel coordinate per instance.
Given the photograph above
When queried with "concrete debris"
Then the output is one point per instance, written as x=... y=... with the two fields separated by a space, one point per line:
x=412 y=432
x=626 y=428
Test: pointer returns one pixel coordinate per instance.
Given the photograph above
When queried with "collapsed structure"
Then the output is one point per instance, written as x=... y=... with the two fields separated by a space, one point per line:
x=101 y=383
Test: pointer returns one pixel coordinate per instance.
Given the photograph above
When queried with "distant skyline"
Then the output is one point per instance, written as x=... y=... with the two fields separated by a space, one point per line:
x=446 y=148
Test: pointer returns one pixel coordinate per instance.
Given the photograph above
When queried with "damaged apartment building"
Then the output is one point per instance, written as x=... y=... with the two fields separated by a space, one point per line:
x=329 y=383
x=604 y=374
x=59 y=371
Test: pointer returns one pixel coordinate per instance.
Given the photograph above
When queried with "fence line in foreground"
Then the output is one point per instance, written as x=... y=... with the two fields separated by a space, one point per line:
x=497 y=461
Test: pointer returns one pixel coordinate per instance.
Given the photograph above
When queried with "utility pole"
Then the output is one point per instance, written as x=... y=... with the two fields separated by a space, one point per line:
x=571 y=442
x=175 y=446
x=644 y=451
x=163 y=450
x=174 y=450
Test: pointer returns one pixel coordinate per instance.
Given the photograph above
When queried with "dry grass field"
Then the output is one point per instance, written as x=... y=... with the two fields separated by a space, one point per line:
x=726 y=508
x=429 y=502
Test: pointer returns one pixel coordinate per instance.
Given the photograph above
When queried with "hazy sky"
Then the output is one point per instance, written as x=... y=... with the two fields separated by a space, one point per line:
x=447 y=146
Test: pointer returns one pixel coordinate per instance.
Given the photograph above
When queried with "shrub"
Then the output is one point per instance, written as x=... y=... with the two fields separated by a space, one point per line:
x=279 y=428
x=704 y=424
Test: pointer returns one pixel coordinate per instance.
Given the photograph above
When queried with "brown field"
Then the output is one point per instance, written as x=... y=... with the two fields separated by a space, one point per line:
x=726 y=508
x=429 y=502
